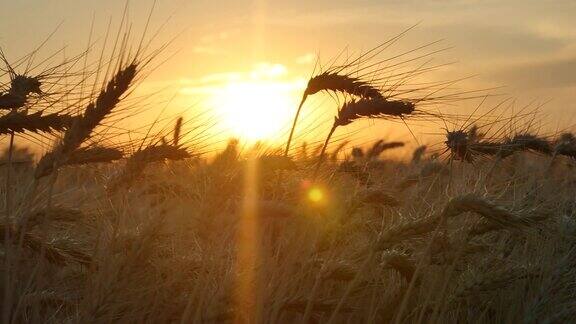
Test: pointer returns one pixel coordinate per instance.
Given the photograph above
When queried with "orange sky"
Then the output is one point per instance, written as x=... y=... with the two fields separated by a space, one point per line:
x=227 y=52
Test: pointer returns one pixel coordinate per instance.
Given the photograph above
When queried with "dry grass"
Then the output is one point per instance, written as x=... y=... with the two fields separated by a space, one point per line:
x=163 y=235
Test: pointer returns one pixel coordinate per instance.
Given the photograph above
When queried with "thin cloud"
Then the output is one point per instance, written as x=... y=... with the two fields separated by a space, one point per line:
x=546 y=74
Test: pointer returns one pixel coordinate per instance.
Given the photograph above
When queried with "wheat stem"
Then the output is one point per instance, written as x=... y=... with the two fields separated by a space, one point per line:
x=294 y=124
x=321 y=157
x=7 y=285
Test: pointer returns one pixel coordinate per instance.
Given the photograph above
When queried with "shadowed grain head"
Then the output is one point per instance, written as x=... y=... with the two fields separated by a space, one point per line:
x=137 y=163
x=24 y=85
x=20 y=122
x=177 y=131
x=20 y=87
x=271 y=163
x=490 y=211
x=96 y=111
x=381 y=146
x=379 y=197
x=418 y=154
x=331 y=81
x=525 y=142
x=83 y=155
x=566 y=145
x=401 y=263
x=372 y=108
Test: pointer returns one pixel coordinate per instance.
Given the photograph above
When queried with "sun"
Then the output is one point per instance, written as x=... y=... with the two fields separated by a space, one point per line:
x=255 y=110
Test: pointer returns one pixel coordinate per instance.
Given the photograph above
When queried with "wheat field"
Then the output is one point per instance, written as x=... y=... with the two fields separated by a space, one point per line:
x=98 y=228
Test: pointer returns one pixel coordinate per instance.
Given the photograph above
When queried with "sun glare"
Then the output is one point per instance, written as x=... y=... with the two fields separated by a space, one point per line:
x=255 y=110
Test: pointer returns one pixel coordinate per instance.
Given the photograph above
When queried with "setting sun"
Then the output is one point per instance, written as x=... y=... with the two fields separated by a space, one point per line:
x=254 y=110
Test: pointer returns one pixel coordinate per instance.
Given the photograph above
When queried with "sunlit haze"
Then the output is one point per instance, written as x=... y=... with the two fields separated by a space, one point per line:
x=246 y=63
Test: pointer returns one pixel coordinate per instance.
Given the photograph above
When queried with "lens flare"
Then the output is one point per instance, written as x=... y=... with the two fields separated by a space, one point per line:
x=315 y=195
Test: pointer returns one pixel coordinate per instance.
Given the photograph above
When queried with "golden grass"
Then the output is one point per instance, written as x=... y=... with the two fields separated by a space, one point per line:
x=167 y=236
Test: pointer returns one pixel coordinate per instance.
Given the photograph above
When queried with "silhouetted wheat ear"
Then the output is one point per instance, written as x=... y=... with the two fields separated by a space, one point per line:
x=490 y=211
x=20 y=87
x=24 y=85
x=276 y=163
x=365 y=108
x=379 y=197
x=274 y=209
x=429 y=169
x=83 y=126
x=525 y=142
x=339 y=271
x=457 y=142
x=372 y=108
x=566 y=145
x=137 y=163
x=19 y=122
x=418 y=154
x=318 y=306
x=331 y=81
x=96 y=111
x=94 y=155
x=400 y=263
x=381 y=146
x=177 y=130
x=52 y=253
x=79 y=156
x=54 y=214
x=407 y=231
x=10 y=101
x=465 y=146
x=498 y=279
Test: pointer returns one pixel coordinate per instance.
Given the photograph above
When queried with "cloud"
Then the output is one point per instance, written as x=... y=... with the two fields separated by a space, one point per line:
x=267 y=71
x=552 y=73
x=220 y=36
x=306 y=58
x=263 y=73
x=207 y=50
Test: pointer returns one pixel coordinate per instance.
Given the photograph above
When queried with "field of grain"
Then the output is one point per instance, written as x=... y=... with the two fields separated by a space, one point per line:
x=479 y=227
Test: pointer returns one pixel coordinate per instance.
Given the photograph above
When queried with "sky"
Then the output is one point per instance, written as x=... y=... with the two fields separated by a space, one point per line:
x=222 y=50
